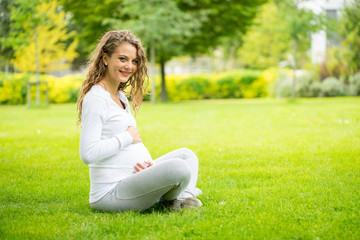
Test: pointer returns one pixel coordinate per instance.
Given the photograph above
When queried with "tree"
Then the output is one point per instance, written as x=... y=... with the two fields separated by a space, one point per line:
x=343 y=59
x=267 y=41
x=209 y=23
x=190 y=26
x=50 y=43
x=301 y=23
x=219 y=20
x=38 y=33
x=351 y=33
x=6 y=50
x=163 y=27
x=89 y=18
x=24 y=23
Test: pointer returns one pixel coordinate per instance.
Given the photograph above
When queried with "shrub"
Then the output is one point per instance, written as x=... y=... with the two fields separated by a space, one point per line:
x=63 y=89
x=232 y=84
x=307 y=86
x=332 y=87
x=268 y=77
x=240 y=83
x=354 y=84
x=229 y=88
x=315 y=89
x=13 y=88
x=193 y=87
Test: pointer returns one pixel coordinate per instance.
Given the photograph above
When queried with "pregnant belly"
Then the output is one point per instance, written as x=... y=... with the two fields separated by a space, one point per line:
x=137 y=152
x=127 y=158
x=121 y=165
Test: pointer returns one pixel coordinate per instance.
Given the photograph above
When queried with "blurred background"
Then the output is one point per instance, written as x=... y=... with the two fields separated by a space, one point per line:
x=197 y=49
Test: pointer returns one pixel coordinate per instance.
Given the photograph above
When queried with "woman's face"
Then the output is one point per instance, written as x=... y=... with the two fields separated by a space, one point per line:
x=122 y=64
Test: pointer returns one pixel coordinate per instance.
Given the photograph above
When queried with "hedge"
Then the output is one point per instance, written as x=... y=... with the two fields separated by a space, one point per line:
x=233 y=84
x=13 y=87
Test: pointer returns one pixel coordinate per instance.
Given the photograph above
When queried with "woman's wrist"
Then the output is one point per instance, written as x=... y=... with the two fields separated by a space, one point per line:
x=124 y=138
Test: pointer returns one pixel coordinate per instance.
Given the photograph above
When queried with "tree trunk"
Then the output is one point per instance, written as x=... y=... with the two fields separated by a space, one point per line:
x=293 y=87
x=37 y=68
x=6 y=67
x=163 y=85
x=231 y=59
x=152 y=73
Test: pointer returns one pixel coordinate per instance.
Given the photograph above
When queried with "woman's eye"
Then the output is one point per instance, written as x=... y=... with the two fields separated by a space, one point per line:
x=122 y=59
x=135 y=62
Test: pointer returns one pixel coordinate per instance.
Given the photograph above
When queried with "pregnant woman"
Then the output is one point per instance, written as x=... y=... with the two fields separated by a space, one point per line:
x=123 y=175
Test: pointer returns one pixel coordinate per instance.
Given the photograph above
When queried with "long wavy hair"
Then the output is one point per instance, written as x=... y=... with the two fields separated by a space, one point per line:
x=107 y=45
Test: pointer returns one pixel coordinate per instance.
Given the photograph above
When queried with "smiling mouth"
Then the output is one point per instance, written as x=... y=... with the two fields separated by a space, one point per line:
x=125 y=73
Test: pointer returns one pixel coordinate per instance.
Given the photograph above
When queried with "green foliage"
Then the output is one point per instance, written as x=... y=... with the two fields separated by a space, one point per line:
x=89 y=20
x=229 y=87
x=159 y=23
x=193 y=87
x=232 y=84
x=24 y=21
x=6 y=49
x=198 y=25
x=46 y=40
x=354 y=84
x=351 y=34
x=332 y=87
x=268 y=170
x=335 y=64
x=343 y=60
x=267 y=41
x=171 y=26
x=218 y=19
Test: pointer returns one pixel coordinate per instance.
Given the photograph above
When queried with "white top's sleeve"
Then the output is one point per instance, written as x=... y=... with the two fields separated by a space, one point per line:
x=92 y=147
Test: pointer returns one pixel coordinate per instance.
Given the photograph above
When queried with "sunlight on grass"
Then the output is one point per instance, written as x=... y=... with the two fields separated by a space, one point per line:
x=269 y=169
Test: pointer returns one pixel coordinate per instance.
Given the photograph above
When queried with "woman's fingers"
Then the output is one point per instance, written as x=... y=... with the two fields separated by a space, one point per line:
x=141 y=166
x=138 y=167
x=135 y=134
x=149 y=163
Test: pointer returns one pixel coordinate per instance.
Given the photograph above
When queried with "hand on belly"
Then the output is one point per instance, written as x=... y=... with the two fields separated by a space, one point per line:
x=139 y=166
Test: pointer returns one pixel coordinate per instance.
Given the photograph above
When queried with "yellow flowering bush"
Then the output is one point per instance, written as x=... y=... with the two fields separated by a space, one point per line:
x=231 y=84
x=63 y=89
x=13 y=87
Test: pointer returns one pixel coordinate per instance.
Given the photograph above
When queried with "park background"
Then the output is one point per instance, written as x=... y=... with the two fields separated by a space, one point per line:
x=265 y=92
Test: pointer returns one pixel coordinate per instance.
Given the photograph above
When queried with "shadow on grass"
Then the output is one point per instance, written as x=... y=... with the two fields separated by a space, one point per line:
x=156 y=208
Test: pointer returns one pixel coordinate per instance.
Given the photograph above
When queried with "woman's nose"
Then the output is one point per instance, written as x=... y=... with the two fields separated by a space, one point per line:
x=128 y=65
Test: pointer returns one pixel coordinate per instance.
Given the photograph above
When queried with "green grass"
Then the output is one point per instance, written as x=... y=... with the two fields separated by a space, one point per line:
x=269 y=169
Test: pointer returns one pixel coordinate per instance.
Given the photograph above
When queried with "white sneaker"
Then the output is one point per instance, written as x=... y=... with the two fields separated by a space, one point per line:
x=187 y=203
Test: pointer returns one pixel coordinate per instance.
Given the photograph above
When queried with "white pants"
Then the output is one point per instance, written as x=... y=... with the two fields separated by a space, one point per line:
x=172 y=176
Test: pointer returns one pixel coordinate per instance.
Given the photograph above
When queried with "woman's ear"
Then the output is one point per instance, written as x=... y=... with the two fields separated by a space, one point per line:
x=105 y=59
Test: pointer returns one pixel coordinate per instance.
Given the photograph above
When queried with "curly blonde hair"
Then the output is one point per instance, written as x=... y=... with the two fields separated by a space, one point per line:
x=107 y=44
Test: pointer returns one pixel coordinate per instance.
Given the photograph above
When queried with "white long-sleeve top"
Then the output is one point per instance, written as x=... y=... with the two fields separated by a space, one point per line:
x=105 y=145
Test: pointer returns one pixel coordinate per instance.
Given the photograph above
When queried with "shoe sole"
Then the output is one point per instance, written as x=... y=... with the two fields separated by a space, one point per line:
x=186 y=203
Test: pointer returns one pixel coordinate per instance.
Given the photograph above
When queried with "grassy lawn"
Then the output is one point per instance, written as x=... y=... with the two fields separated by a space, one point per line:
x=269 y=169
